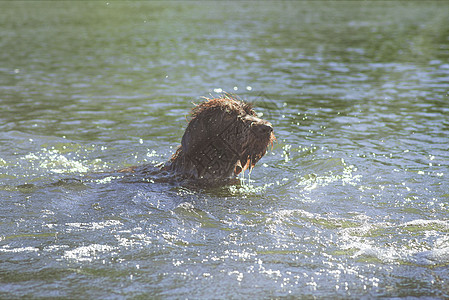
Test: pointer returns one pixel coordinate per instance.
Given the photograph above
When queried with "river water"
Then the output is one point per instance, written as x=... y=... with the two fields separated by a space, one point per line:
x=351 y=202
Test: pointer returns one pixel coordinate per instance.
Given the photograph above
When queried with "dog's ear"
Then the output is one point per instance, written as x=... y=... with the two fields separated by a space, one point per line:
x=204 y=127
x=192 y=137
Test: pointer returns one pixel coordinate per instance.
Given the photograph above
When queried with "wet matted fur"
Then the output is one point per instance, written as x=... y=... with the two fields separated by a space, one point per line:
x=223 y=138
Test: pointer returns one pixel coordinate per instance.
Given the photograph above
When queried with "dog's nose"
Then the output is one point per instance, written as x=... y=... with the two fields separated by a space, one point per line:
x=262 y=129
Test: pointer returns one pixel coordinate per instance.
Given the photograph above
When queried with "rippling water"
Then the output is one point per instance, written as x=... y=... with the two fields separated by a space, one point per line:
x=352 y=201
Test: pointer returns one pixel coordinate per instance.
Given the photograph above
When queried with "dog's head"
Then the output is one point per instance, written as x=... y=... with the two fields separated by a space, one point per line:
x=223 y=138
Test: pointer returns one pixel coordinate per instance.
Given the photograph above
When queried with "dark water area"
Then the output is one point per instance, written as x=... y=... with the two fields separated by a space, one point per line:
x=352 y=202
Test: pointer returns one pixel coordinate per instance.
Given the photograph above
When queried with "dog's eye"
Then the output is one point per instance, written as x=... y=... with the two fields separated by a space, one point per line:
x=250 y=123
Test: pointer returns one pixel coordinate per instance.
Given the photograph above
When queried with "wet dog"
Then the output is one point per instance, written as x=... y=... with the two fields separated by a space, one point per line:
x=224 y=137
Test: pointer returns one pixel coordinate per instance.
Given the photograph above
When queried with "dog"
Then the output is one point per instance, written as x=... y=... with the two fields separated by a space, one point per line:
x=223 y=138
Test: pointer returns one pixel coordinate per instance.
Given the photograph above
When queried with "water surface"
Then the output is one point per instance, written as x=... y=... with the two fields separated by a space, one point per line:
x=351 y=202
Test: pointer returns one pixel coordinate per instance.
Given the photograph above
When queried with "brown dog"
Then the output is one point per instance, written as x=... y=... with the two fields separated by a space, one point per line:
x=223 y=138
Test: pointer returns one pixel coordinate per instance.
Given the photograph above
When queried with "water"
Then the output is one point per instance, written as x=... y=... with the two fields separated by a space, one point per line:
x=351 y=202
